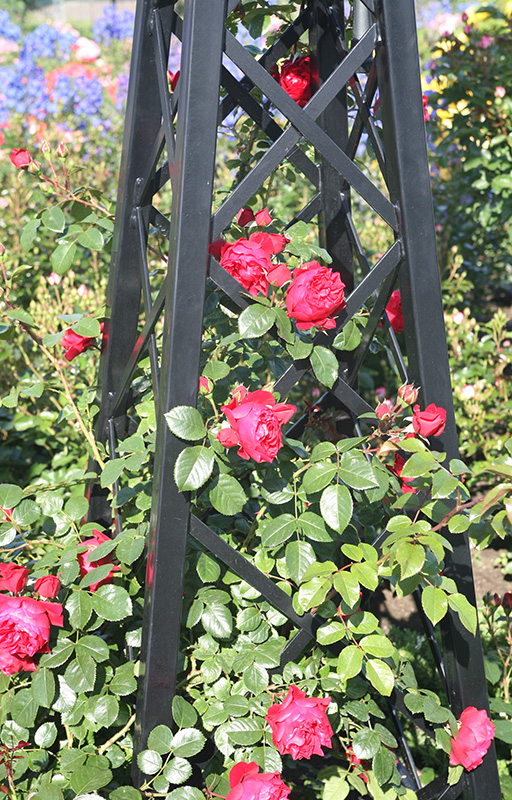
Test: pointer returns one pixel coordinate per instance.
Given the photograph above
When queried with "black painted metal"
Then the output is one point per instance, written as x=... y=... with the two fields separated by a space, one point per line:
x=172 y=140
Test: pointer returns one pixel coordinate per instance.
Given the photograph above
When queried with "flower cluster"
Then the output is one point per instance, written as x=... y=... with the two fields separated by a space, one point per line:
x=114 y=24
x=25 y=621
x=300 y=728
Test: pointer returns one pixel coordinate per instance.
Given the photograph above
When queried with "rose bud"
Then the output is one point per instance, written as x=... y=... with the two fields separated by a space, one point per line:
x=45 y=148
x=20 y=157
x=244 y=217
x=507 y=602
x=263 y=217
x=62 y=150
x=408 y=393
x=205 y=385
x=34 y=166
x=383 y=410
x=47 y=586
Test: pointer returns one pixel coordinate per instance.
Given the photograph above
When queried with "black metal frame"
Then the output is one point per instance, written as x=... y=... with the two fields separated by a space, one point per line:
x=384 y=48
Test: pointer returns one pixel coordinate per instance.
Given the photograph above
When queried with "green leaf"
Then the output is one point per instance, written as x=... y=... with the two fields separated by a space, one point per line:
x=217 y=620
x=380 y=676
x=76 y=507
x=207 y=569
x=93 y=646
x=80 y=673
x=350 y=662
x=112 y=603
x=89 y=777
x=348 y=587
x=313 y=593
x=10 y=495
x=92 y=239
x=187 y=742
x=356 y=471
x=186 y=423
x=325 y=365
x=45 y=735
x=419 y=464
x=299 y=349
x=349 y=338
x=313 y=527
x=43 y=688
x=298 y=557
x=466 y=612
x=255 y=678
x=24 y=708
x=29 y=233
x=183 y=714
x=332 y=632
x=111 y=472
x=336 y=507
x=278 y=531
x=79 y=608
x=255 y=320
x=130 y=548
x=106 y=710
x=177 y=771
x=185 y=793
x=59 y=655
x=245 y=732
x=160 y=739
x=227 y=496
x=435 y=603
x=216 y=370
x=378 y=645
x=335 y=788
x=383 y=765
x=54 y=219
x=193 y=467
x=366 y=744
x=123 y=682
x=125 y=793
x=411 y=558
x=367 y=574
x=88 y=327
x=63 y=257
x=318 y=476
x=149 y=762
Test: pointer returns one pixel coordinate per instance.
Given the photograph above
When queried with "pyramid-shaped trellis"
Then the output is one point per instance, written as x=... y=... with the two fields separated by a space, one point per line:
x=171 y=140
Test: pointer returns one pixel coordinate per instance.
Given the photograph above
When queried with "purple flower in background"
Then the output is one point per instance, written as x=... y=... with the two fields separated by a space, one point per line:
x=113 y=24
x=8 y=30
x=47 y=41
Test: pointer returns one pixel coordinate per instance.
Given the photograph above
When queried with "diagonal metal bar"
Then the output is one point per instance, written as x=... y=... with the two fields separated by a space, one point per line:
x=303 y=120
x=161 y=61
x=237 y=562
x=146 y=294
x=279 y=150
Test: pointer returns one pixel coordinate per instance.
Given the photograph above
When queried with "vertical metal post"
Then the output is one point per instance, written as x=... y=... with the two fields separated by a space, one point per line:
x=406 y=151
x=203 y=37
x=143 y=116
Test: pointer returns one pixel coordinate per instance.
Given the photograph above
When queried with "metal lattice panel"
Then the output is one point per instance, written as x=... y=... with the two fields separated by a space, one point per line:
x=170 y=150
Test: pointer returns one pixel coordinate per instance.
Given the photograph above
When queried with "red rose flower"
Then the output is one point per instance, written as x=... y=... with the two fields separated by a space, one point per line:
x=48 y=586
x=394 y=312
x=299 y=724
x=354 y=761
x=315 y=296
x=263 y=217
x=273 y=243
x=87 y=566
x=25 y=631
x=216 y=248
x=244 y=217
x=12 y=577
x=430 y=422
x=173 y=79
x=397 y=468
x=20 y=157
x=248 y=783
x=248 y=260
x=76 y=344
x=299 y=79
x=473 y=740
x=255 y=419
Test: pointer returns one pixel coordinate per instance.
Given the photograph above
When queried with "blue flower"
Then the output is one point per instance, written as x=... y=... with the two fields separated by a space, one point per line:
x=113 y=24
x=46 y=41
x=7 y=28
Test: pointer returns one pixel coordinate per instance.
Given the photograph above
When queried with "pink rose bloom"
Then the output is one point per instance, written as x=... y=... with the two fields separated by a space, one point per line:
x=315 y=296
x=458 y=317
x=85 y=49
x=473 y=740
x=273 y=243
x=394 y=311
x=430 y=422
x=248 y=783
x=248 y=260
x=299 y=724
x=87 y=566
x=47 y=586
x=255 y=424
x=467 y=392
x=263 y=217
x=12 y=577
x=20 y=157
x=299 y=79
x=485 y=41
x=25 y=631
